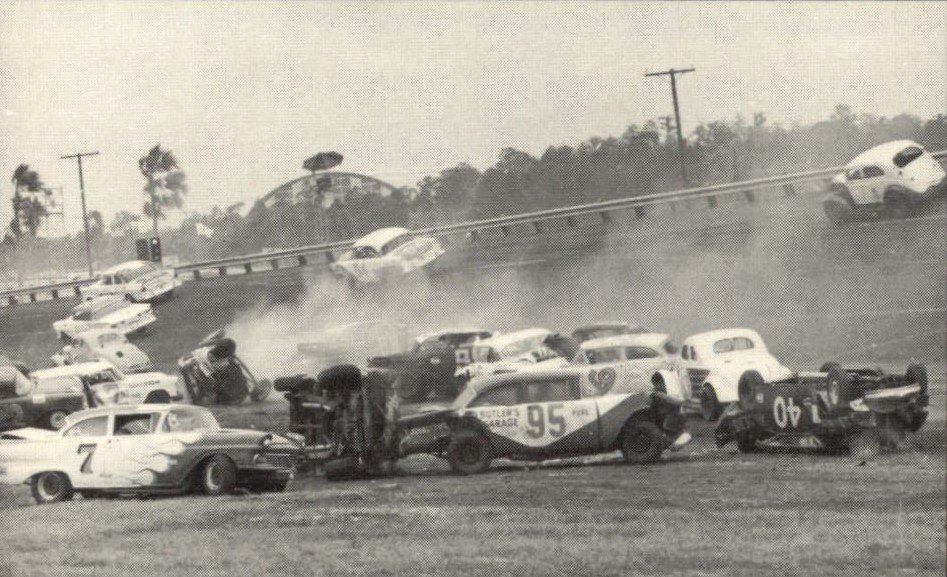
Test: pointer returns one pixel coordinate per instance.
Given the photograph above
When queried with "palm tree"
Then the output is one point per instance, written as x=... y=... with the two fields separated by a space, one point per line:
x=165 y=183
x=28 y=209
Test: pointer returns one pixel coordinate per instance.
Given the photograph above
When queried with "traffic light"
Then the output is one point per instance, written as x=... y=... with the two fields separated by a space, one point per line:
x=141 y=247
x=155 y=244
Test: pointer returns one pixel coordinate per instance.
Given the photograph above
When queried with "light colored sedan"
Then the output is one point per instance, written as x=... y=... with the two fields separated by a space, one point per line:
x=104 y=345
x=136 y=280
x=108 y=313
x=385 y=253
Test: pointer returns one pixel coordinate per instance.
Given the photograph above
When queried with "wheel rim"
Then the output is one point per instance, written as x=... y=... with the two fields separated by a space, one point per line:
x=469 y=454
x=57 y=419
x=212 y=477
x=50 y=486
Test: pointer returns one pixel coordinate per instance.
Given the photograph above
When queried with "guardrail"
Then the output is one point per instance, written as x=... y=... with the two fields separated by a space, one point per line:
x=302 y=254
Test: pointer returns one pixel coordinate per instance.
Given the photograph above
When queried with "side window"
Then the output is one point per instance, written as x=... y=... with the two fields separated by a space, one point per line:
x=547 y=391
x=634 y=353
x=94 y=427
x=502 y=396
x=610 y=355
x=742 y=344
x=107 y=280
x=723 y=346
x=907 y=156
x=138 y=424
x=854 y=174
x=872 y=172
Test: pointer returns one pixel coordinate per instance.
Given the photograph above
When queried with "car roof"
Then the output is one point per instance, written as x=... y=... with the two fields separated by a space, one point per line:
x=500 y=341
x=653 y=340
x=485 y=382
x=881 y=154
x=445 y=332
x=73 y=369
x=129 y=265
x=708 y=338
x=381 y=237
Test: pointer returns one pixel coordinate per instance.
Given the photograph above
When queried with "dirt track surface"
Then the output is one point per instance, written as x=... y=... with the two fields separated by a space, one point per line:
x=873 y=293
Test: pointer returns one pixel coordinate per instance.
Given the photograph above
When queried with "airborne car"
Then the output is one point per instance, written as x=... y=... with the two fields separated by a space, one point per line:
x=104 y=345
x=385 y=254
x=136 y=280
x=106 y=313
x=147 y=449
x=895 y=178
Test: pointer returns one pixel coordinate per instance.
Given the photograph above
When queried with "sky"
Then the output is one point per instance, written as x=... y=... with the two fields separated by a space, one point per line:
x=243 y=92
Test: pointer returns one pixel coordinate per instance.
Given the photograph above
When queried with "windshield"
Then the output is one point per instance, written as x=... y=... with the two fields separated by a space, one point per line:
x=187 y=420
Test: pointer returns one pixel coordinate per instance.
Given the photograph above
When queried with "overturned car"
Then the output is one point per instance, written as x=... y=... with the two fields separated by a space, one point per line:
x=214 y=374
x=827 y=409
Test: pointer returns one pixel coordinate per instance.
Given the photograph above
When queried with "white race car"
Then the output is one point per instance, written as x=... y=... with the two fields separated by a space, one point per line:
x=631 y=361
x=107 y=313
x=136 y=280
x=713 y=362
x=385 y=253
x=110 y=386
x=510 y=352
x=894 y=178
x=104 y=345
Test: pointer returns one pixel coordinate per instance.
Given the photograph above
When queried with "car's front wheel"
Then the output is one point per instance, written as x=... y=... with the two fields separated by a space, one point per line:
x=218 y=476
x=642 y=442
x=51 y=487
x=469 y=453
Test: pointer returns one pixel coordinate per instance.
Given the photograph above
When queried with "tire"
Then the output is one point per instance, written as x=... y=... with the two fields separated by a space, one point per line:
x=469 y=453
x=837 y=210
x=750 y=382
x=261 y=391
x=51 y=487
x=158 y=397
x=342 y=468
x=710 y=408
x=55 y=419
x=217 y=476
x=641 y=442
x=839 y=387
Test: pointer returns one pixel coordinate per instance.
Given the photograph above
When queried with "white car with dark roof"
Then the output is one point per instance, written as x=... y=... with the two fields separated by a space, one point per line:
x=384 y=254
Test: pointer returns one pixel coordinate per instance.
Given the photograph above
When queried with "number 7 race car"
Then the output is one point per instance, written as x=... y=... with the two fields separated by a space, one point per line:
x=147 y=449
x=826 y=409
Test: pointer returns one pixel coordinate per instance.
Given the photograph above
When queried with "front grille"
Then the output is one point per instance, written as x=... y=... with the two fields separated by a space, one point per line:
x=282 y=460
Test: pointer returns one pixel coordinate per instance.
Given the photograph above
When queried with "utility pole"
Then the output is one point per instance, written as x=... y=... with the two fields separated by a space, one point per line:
x=677 y=111
x=85 y=218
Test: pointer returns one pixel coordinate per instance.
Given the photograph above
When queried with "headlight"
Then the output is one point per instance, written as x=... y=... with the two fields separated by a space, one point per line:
x=259 y=459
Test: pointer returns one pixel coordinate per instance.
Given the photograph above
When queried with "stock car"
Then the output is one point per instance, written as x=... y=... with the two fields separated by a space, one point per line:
x=713 y=362
x=214 y=374
x=136 y=280
x=539 y=415
x=895 y=178
x=104 y=345
x=628 y=361
x=148 y=449
x=526 y=349
x=383 y=254
x=825 y=409
x=106 y=313
x=110 y=386
x=25 y=402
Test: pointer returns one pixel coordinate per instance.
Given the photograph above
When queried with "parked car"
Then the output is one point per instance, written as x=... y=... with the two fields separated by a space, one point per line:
x=46 y=403
x=386 y=253
x=136 y=280
x=214 y=374
x=605 y=329
x=147 y=449
x=106 y=313
x=622 y=363
x=713 y=362
x=538 y=415
x=431 y=364
x=110 y=386
x=519 y=350
x=104 y=345
x=826 y=409
x=895 y=178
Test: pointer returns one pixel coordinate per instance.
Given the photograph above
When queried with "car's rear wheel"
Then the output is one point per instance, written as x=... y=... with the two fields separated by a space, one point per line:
x=899 y=205
x=51 y=487
x=55 y=419
x=710 y=407
x=218 y=476
x=158 y=397
x=641 y=442
x=469 y=453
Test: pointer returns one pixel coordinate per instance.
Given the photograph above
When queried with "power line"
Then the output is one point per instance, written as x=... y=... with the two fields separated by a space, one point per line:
x=677 y=112
x=85 y=218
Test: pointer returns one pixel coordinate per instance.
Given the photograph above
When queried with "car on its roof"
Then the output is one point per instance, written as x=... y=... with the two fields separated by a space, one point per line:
x=606 y=329
x=894 y=178
x=545 y=414
x=105 y=313
x=135 y=280
x=386 y=253
x=146 y=449
x=712 y=363
x=104 y=345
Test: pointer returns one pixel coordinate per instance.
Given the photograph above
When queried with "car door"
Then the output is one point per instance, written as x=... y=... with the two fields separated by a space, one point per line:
x=134 y=455
x=557 y=419
x=81 y=448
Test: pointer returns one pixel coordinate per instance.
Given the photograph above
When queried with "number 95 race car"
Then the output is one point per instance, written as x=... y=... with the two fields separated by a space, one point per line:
x=827 y=409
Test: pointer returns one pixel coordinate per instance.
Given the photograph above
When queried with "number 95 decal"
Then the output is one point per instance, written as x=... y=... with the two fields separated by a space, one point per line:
x=539 y=422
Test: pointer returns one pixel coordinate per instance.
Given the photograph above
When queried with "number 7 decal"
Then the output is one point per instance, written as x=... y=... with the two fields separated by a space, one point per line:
x=87 y=462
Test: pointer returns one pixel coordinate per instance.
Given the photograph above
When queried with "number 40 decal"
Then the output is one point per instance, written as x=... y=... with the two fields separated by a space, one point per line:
x=786 y=413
